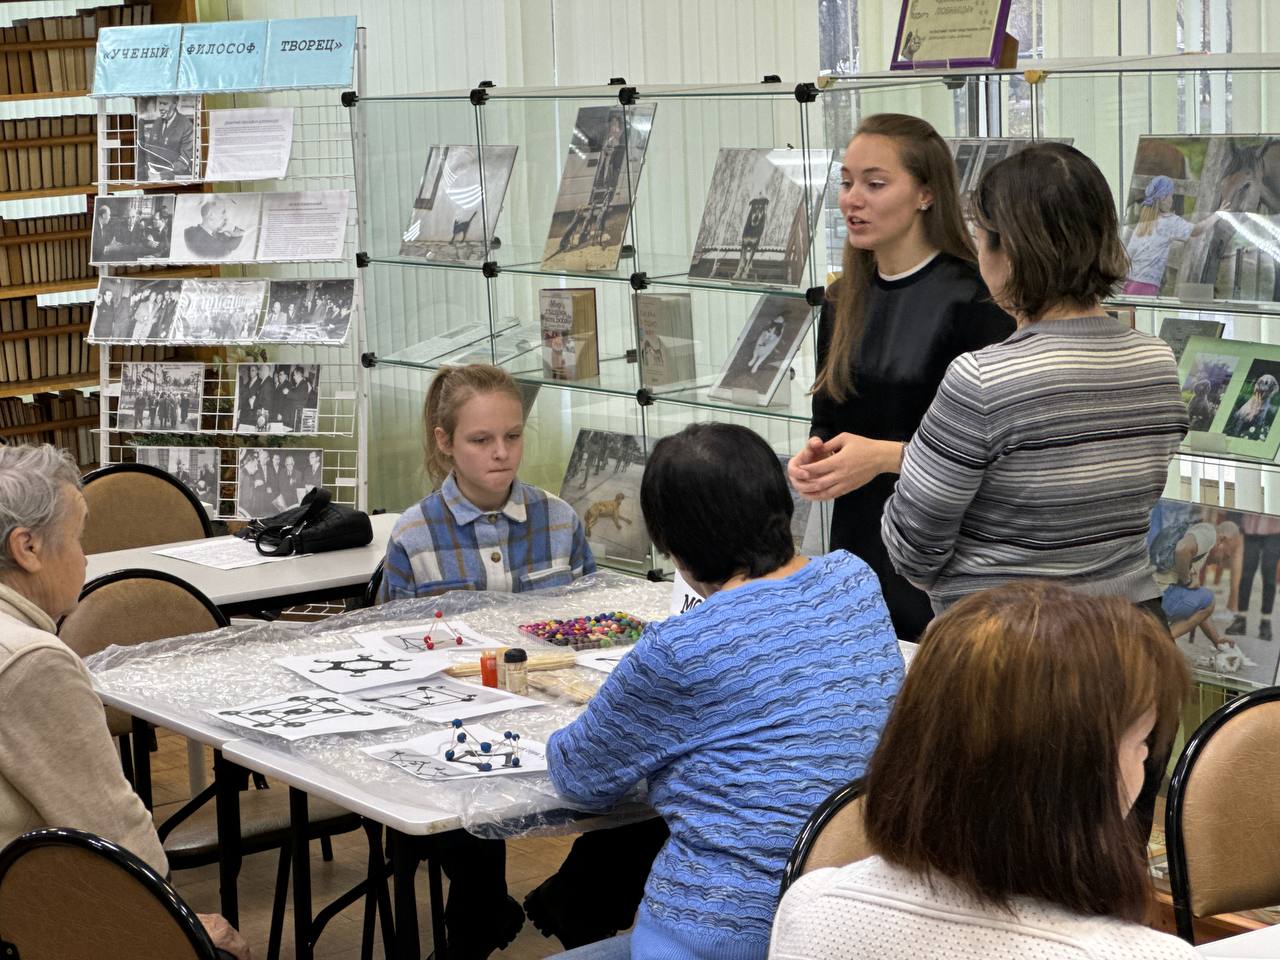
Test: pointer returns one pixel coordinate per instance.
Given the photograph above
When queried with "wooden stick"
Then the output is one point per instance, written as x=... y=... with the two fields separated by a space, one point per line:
x=537 y=661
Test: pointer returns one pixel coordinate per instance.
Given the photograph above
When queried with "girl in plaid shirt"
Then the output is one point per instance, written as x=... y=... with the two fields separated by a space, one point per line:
x=482 y=529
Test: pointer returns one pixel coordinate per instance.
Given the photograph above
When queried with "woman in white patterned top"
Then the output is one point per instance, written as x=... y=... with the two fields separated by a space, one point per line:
x=998 y=798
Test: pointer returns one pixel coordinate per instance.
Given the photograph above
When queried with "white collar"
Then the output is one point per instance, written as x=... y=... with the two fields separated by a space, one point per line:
x=906 y=273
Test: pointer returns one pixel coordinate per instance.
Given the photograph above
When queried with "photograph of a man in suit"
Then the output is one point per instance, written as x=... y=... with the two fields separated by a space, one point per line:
x=167 y=141
x=214 y=236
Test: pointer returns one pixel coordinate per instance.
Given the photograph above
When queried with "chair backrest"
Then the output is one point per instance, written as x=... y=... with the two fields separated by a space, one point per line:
x=370 y=598
x=137 y=505
x=66 y=893
x=135 y=606
x=1222 y=821
x=833 y=836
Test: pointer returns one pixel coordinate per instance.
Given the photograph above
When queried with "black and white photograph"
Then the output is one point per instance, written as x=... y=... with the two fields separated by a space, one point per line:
x=308 y=311
x=602 y=483
x=218 y=311
x=598 y=185
x=762 y=356
x=194 y=467
x=168 y=142
x=452 y=217
x=277 y=398
x=271 y=479
x=160 y=397
x=216 y=227
x=132 y=229
x=135 y=311
x=755 y=225
x=975 y=156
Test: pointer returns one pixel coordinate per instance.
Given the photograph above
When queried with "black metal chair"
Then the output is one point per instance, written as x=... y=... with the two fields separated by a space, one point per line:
x=832 y=836
x=1222 y=821
x=67 y=893
x=137 y=505
x=370 y=598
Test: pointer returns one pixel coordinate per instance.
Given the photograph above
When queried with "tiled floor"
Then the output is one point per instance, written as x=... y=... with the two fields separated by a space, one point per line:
x=528 y=863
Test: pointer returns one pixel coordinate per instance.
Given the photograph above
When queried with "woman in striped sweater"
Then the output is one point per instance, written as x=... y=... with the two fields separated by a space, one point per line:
x=1043 y=456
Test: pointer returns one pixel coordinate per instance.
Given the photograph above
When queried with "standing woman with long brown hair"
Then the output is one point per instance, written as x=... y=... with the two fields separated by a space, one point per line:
x=909 y=301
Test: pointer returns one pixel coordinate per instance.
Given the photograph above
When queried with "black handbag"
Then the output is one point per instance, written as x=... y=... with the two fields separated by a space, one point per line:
x=313 y=526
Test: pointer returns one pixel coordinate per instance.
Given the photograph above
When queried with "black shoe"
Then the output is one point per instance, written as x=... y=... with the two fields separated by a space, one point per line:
x=1264 y=629
x=476 y=939
x=546 y=910
x=1238 y=626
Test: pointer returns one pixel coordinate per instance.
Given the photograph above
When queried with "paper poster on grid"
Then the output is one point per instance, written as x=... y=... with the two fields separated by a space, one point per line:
x=271 y=479
x=309 y=713
x=303 y=226
x=160 y=397
x=597 y=187
x=251 y=143
x=453 y=215
x=167 y=143
x=132 y=229
x=482 y=752
x=135 y=311
x=442 y=699
x=308 y=311
x=755 y=225
x=218 y=311
x=215 y=227
x=277 y=398
x=196 y=468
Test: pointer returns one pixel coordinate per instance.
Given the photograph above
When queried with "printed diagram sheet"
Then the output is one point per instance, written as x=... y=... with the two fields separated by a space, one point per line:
x=311 y=713
x=482 y=752
x=444 y=699
x=603 y=659
x=345 y=671
x=439 y=636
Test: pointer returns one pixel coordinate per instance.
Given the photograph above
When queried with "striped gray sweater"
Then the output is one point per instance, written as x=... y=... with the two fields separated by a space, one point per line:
x=1041 y=456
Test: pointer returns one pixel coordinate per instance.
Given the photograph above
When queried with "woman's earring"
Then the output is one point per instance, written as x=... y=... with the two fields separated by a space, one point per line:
x=924 y=206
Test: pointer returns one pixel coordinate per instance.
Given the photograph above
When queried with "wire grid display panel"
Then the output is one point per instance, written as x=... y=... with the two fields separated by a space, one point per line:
x=320 y=159
x=225 y=409
x=339 y=472
x=320 y=156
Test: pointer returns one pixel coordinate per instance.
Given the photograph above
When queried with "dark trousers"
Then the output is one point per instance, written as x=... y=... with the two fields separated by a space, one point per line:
x=1264 y=548
x=1142 y=816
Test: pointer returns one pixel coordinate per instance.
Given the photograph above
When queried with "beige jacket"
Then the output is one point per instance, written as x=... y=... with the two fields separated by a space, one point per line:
x=58 y=763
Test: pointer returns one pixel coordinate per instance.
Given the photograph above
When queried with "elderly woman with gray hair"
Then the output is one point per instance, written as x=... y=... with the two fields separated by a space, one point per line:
x=58 y=767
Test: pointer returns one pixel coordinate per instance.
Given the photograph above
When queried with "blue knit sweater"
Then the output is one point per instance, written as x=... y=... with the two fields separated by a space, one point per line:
x=743 y=715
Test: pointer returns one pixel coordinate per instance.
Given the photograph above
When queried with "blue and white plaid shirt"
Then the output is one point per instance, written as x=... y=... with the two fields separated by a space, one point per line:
x=446 y=543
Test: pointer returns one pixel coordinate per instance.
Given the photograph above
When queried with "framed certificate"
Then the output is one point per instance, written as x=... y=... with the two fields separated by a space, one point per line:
x=950 y=33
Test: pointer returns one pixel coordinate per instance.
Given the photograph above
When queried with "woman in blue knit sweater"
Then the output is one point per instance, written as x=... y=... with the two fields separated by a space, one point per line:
x=742 y=714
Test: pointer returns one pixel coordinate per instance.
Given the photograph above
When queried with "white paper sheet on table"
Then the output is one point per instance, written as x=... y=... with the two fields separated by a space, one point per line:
x=412 y=637
x=222 y=553
x=345 y=671
x=310 y=713
x=604 y=659
x=424 y=756
x=443 y=699
x=249 y=144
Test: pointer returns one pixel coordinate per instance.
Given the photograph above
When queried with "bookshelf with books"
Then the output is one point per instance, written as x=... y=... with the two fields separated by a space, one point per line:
x=46 y=365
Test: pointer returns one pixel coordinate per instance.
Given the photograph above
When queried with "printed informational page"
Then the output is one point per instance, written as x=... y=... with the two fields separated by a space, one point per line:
x=303 y=226
x=222 y=553
x=457 y=753
x=249 y=144
x=311 y=713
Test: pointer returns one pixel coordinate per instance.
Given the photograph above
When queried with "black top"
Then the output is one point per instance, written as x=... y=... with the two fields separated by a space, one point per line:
x=914 y=328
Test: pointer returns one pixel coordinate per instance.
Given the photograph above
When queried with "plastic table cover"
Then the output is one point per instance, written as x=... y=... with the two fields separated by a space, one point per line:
x=186 y=676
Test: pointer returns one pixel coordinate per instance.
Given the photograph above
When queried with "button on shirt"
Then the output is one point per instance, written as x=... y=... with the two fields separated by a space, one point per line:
x=447 y=543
